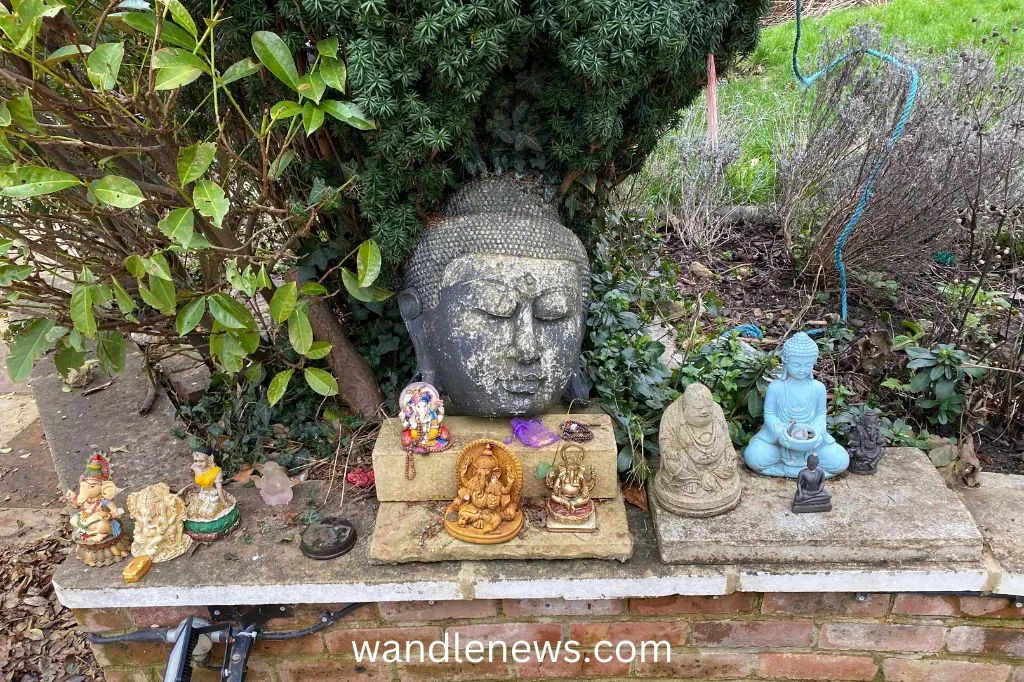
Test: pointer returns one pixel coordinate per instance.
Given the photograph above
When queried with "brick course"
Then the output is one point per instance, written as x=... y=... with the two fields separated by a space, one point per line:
x=785 y=636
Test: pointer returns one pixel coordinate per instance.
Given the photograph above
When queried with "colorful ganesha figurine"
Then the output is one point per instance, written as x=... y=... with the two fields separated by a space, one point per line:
x=422 y=414
x=96 y=528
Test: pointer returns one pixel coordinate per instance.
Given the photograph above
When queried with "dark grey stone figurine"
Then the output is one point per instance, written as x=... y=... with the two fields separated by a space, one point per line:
x=811 y=495
x=494 y=299
x=866 y=445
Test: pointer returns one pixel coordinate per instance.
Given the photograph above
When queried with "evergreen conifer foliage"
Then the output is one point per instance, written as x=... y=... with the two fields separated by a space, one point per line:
x=576 y=92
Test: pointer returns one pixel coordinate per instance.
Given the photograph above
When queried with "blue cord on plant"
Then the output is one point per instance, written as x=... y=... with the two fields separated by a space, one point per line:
x=897 y=133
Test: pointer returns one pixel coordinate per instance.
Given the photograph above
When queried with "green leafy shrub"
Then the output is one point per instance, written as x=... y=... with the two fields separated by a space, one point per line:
x=938 y=377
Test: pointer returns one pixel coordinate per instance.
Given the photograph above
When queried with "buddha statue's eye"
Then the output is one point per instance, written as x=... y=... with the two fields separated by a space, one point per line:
x=493 y=300
x=551 y=305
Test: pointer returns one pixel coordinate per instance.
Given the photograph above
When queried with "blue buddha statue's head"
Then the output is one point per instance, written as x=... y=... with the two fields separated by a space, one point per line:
x=799 y=353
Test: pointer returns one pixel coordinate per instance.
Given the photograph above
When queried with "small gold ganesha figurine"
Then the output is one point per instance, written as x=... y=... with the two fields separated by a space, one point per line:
x=96 y=529
x=570 y=508
x=490 y=481
x=699 y=474
x=159 y=517
x=210 y=512
x=422 y=415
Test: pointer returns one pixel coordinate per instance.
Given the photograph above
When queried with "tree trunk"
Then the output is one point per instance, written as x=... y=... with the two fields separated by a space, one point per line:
x=357 y=386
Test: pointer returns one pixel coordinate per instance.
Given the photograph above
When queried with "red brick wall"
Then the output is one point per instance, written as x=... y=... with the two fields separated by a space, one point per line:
x=898 y=638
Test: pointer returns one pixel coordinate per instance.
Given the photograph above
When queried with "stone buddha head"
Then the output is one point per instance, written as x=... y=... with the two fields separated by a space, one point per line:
x=494 y=299
x=799 y=353
x=698 y=404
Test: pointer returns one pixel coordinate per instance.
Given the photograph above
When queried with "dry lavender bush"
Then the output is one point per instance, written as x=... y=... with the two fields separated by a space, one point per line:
x=945 y=186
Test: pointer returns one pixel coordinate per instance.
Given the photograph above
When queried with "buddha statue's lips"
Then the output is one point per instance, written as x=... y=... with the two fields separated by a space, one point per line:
x=522 y=384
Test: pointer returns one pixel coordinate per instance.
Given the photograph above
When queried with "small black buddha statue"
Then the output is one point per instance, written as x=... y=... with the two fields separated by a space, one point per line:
x=866 y=445
x=811 y=495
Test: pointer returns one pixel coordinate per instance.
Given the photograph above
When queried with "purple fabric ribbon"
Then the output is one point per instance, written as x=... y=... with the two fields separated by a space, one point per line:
x=532 y=433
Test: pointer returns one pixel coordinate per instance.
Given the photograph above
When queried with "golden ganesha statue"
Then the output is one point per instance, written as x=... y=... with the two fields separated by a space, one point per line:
x=486 y=510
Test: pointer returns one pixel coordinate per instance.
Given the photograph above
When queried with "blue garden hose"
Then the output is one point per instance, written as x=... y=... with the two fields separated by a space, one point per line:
x=897 y=133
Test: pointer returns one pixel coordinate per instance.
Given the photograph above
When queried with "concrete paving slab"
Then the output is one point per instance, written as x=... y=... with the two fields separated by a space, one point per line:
x=435 y=473
x=926 y=577
x=411 y=531
x=997 y=507
x=27 y=476
x=902 y=514
x=28 y=525
x=76 y=424
x=17 y=412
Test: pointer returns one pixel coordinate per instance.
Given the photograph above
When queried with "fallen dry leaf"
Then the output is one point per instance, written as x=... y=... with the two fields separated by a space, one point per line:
x=635 y=495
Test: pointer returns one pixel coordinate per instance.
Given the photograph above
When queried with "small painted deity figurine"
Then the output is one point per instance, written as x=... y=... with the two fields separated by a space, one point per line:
x=570 y=507
x=422 y=414
x=96 y=529
x=699 y=473
x=811 y=495
x=794 y=419
x=486 y=510
x=210 y=511
x=867 y=445
x=159 y=523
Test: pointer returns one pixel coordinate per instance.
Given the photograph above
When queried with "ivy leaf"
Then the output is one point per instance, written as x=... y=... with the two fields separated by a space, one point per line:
x=285 y=109
x=178 y=225
x=81 y=310
x=281 y=163
x=193 y=161
x=320 y=381
x=210 y=201
x=28 y=344
x=318 y=350
x=67 y=52
x=278 y=386
x=274 y=54
x=328 y=47
x=365 y=294
x=230 y=313
x=113 y=190
x=103 y=65
x=312 y=118
x=300 y=333
x=243 y=68
x=283 y=302
x=190 y=316
x=333 y=72
x=124 y=301
x=110 y=351
x=34 y=181
x=368 y=263
x=170 y=33
x=349 y=113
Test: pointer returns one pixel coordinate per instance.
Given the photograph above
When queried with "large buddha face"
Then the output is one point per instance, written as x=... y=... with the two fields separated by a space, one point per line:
x=506 y=332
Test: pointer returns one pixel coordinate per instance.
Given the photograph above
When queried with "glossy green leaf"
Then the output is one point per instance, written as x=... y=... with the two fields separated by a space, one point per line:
x=113 y=190
x=160 y=294
x=312 y=86
x=170 y=33
x=111 y=352
x=21 y=111
x=124 y=301
x=263 y=279
x=5 y=115
x=182 y=17
x=230 y=313
x=319 y=349
x=313 y=289
x=68 y=52
x=349 y=113
x=368 y=263
x=81 y=310
x=328 y=47
x=300 y=333
x=103 y=64
x=283 y=302
x=333 y=72
x=167 y=57
x=190 y=316
x=157 y=266
x=285 y=109
x=174 y=77
x=369 y=294
x=281 y=163
x=312 y=117
x=274 y=54
x=37 y=180
x=135 y=266
x=28 y=344
x=193 y=161
x=11 y=273
x=320 y=381
x=243 y=68
x=178 y=225
x=67 y=358
x=211 y=201
x=278 y=386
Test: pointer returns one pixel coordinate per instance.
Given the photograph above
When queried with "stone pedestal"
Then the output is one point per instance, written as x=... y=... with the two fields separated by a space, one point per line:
x=435 y=473
x=902 y=514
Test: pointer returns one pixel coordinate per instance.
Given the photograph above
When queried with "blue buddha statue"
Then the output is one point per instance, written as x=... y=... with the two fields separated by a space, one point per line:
x=794 y=419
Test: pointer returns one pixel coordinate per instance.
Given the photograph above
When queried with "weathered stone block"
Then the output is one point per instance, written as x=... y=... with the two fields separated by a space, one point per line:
x=409 y=531
x=435 y=473
x=904 y=513
x=997 y=510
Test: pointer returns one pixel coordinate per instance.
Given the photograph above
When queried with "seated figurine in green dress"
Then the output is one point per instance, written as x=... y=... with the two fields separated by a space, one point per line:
x=794 y=419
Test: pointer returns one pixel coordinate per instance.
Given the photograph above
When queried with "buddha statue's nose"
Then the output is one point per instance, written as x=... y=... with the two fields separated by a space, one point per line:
x=524 y=342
